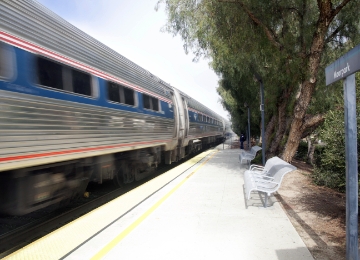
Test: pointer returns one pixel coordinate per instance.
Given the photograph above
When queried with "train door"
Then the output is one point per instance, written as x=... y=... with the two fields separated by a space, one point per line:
x=186 y=113
x=176 y=115
x=181 y=116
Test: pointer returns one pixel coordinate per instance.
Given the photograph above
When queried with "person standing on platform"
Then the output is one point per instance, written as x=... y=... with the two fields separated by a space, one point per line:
x=242 y=140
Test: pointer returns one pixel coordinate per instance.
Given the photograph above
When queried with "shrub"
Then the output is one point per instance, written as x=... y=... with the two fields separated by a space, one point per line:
x=257 y=159
x=330 y=167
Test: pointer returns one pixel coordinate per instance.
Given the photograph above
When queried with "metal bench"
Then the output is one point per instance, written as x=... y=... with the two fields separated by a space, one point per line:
x=266 y=180
x=250 y=155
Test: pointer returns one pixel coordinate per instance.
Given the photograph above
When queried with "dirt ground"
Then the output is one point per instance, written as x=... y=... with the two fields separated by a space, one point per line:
x=317 y=213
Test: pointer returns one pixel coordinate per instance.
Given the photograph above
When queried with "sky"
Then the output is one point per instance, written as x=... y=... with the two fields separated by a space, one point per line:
x=133 y=29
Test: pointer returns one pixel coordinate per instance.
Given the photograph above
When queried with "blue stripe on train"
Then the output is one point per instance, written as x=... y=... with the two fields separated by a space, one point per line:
x=23 y=82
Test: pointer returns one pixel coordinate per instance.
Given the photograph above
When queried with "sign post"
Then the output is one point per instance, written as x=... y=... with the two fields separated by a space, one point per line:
x=262 y=109
x=345 y=68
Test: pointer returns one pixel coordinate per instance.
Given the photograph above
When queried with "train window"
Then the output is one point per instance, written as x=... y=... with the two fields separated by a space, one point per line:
x=129 y=96
x=7 y=61
x=2 y=61
x=120 y=94
x=49 y=73
x=150 y=102
x=146 y=101
x=155 y=103
x=113 y=92
x=55 y=75
x=81 y=82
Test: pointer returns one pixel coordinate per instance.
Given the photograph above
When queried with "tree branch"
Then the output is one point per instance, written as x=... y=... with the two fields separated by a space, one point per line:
x=269 y=33
x=339 y=7
x=311 y=128
x=331 y=36
x=313 y=121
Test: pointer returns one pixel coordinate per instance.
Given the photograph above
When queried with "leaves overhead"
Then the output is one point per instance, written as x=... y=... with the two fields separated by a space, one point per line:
x=288 y=43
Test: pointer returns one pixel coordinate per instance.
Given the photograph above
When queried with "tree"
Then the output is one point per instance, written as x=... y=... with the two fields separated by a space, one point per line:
x=284 y=41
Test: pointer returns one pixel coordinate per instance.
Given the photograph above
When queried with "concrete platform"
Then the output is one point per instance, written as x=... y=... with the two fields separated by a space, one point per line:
x=201 y=214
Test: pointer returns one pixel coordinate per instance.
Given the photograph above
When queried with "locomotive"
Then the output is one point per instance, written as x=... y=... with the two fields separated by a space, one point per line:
x=74 y=111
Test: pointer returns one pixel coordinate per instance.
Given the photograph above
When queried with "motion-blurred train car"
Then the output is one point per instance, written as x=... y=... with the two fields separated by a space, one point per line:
x=74 y=111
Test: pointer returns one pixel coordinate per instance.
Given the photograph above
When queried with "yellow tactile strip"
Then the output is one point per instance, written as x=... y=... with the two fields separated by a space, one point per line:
x=58 y=243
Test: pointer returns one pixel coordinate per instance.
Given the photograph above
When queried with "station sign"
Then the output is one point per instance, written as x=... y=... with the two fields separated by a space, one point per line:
x=344 y=66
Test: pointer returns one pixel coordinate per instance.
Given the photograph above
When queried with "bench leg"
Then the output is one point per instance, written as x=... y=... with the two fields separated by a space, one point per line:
x=266 y=197
x=245 y=198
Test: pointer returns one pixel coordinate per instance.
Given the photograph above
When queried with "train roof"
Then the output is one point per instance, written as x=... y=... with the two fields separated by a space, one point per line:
x=33 y=22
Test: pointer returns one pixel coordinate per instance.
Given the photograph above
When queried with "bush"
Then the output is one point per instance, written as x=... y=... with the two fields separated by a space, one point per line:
x=330 y=168
x=257 y=159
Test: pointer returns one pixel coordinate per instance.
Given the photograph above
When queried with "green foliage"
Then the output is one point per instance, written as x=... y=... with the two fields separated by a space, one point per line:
x=301 y=153
x=330 y=168
x=257 y=159
x=272 y=38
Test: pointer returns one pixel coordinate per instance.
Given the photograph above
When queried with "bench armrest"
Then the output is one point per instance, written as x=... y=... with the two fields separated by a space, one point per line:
x=256 y=167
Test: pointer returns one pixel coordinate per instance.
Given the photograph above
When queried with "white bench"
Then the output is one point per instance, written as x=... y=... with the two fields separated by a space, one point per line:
x=250 y=155
x=267 y=179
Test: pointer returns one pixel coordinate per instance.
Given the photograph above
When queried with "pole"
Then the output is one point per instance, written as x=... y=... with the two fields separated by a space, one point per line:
x=351 y=168
x=262 y=107
x=249 y=143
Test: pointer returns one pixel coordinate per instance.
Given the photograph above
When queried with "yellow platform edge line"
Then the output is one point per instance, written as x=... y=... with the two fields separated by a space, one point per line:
x=130 y=228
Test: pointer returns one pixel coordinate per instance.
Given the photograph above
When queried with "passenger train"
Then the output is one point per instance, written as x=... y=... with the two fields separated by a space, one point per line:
x=74 y=111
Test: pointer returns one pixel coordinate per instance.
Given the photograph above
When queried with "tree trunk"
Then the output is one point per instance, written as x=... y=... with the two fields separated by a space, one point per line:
x=311 y=150
x=299 y=124
x=270 y=128
x=308 y=139
x=281 y=129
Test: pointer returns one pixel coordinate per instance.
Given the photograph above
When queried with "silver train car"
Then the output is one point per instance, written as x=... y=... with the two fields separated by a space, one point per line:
x=74 y=111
